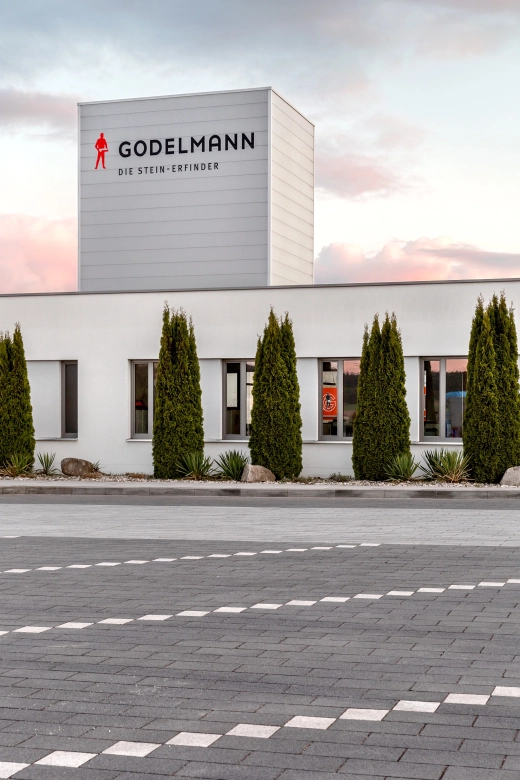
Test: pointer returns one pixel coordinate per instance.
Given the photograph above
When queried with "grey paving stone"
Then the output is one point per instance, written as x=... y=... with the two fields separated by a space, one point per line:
x=144 y=682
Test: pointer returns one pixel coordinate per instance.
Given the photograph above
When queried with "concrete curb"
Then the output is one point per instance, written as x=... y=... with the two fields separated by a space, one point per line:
x=256 y=491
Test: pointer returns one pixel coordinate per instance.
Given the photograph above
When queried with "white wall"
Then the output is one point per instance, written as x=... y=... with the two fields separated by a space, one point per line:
x=292 y=195
x=45 y=382
x=104 y=332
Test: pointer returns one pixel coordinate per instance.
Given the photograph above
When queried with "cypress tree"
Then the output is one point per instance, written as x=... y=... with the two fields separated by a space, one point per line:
x=366 y=423
x=382 y=424
x=178 y=422
x=294 y=418
x=476 y=327
x=480 y=433
x=272 y=438
x=394 y=432
x=505 y=343
x=16 y=421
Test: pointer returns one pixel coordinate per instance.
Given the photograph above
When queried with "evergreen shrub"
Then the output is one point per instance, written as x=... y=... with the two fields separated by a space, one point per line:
x=16 y=421
x=481 y=428
x=275 y=440
x=382 y=423
x=178 y=422
x=491 y=430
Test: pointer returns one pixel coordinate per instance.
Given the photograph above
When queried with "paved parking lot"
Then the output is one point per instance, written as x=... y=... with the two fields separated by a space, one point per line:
x=210 y=658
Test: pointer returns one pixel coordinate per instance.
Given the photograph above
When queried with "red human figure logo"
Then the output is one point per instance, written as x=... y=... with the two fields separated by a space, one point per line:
x=102 y=148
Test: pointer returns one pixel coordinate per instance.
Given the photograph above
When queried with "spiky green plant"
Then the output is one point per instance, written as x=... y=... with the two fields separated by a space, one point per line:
x=194 y=465
x=401 y=468
x=446 y=465
x=46 y=460
x=17 y=464
x=432 y=463
x=231 y=464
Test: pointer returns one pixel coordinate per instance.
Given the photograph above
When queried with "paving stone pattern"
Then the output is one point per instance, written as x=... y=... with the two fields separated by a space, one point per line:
x=280 y=520
x=426 y=686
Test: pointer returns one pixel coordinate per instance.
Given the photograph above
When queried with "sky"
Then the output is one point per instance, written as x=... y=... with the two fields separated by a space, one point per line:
x=414 y=102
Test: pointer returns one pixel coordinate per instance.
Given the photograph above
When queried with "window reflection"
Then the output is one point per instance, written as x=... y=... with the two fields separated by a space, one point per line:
x=233 y=398
x=141 y=397
x=431 y=397
x=456 y=382
x=329 y=398
x=250 y=369
x=350 y=385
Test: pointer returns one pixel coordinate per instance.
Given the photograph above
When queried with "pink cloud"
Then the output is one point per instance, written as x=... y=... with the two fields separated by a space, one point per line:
x=379 y=165
x=354 y=176
x=30 y=109
x=421 y=260
x=37 y=255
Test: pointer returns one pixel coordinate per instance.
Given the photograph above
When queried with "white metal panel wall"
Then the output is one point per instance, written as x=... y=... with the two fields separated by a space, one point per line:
x=184 y=229
x=292 y=195
x=45 y=382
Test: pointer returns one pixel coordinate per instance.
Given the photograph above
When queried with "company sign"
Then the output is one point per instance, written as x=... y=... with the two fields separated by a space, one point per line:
x=169 y=146
x=330 y=401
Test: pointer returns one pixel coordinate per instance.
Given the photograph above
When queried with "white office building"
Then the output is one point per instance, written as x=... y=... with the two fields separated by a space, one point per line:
x=206 y=202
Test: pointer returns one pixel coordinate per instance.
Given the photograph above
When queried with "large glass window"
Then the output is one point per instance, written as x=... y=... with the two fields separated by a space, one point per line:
x=144 y=380
x=238 y=398
x=69 y=383
x=444 y=397
x=338 y=397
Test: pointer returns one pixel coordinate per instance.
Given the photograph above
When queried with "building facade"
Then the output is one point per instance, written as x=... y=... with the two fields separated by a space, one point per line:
x=206 y=201
x=91 y=360
x=187 y=191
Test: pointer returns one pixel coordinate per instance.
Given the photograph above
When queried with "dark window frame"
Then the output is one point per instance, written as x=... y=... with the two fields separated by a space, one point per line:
x=65 y=400
x=147 y=436
x=243 y=435
x=442 y=398
x=340 y=363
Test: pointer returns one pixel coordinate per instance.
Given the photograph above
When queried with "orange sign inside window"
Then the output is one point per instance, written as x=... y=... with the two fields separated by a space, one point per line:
x=329 y=401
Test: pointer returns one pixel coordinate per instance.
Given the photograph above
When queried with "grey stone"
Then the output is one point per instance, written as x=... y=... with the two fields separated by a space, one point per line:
x=76 y=467
x=511 y=477
x=257 y=474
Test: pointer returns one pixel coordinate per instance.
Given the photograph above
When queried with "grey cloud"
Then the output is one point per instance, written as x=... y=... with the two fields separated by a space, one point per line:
x=313 y=48
x=55 y=114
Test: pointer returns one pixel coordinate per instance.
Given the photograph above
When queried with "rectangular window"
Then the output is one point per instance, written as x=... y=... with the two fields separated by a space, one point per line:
x=338 y=398
x=69 y=384
x=444 y=397
x=144 y=380
x=238 y=386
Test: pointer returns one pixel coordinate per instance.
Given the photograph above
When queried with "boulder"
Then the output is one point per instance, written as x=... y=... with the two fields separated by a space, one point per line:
x=511 y=477
x=257 y=474
x=76 y=467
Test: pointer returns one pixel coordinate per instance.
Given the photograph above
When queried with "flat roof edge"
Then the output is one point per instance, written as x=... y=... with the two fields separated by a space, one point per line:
x=194 y=94
x=345 y=285
x=179 y=94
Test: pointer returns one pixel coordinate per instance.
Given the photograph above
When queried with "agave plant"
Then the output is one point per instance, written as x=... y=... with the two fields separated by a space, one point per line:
x=448 y=465
x=19 y=463
x=401 y=468
x=46 y=460
x=231 y=464
x=432 y=467
x=193 y=465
